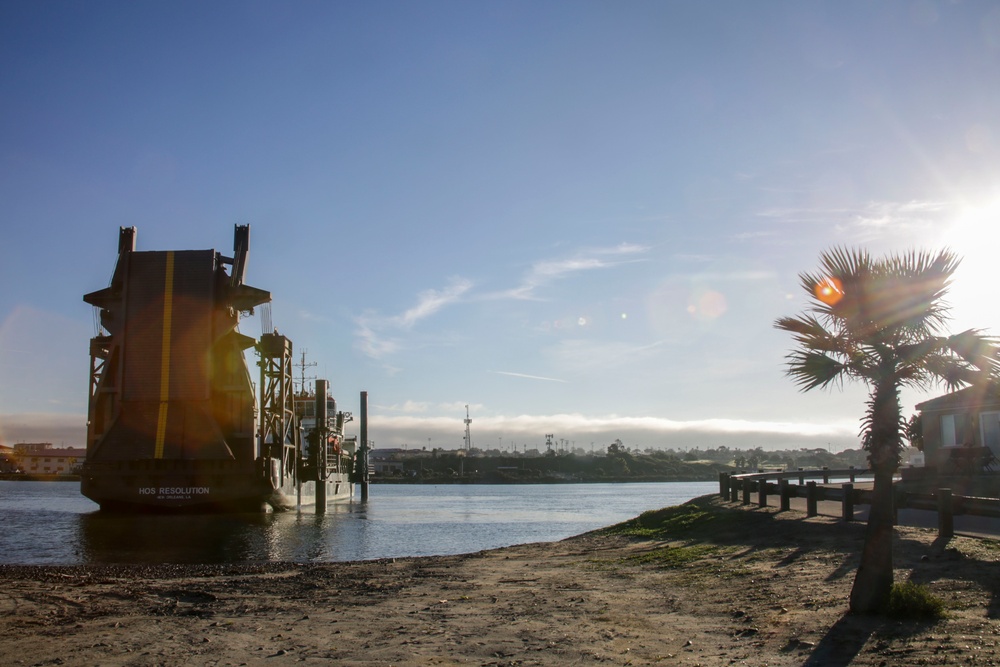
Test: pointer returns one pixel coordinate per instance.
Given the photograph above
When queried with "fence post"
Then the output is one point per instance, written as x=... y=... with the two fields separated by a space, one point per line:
x=853 y=472
x=785 y=495
x=826 y=475
x=734 y=489
x=724 y=484
x=802 y=478
x=746 y=491
x=762 y=493
x=946 y=519
x=848 y=502
x=898 y=500
x=811 y=499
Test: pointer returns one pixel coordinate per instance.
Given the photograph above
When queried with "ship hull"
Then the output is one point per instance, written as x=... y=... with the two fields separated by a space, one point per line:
x=198 y=486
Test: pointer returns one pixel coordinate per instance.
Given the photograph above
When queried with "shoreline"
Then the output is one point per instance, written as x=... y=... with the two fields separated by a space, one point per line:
x=20 y=477
x=722 y=584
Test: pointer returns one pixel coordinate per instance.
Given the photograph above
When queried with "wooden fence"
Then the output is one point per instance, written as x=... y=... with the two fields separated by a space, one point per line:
x=741 y=487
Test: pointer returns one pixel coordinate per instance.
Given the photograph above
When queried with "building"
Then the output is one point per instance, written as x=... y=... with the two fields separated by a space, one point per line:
x=386 y=461
x=961 y=439
x=966 y=418
x=8 y=464
x=41 y=458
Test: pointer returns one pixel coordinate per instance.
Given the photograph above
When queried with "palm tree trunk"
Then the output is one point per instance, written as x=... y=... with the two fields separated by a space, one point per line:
x=873 y=582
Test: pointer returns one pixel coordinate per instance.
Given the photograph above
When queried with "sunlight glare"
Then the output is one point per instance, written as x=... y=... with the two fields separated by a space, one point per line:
x=975 y=237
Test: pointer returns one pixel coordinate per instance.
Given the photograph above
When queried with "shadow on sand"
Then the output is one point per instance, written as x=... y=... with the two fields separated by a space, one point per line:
x=743 y=526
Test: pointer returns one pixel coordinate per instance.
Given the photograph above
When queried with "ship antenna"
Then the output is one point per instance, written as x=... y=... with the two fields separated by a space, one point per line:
x=302 y=371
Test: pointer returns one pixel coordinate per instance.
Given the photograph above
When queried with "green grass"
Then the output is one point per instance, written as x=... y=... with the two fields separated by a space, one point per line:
x=910 y=600
x=674 y=557
x=687 y=520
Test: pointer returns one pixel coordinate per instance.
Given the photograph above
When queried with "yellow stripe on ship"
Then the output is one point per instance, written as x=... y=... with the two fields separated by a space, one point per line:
x=168 y=308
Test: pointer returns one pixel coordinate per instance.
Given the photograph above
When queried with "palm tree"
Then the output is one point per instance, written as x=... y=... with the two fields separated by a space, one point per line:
x=878 y=321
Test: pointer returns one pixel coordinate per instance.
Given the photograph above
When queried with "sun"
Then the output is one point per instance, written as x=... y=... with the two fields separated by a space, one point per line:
x=974 y=235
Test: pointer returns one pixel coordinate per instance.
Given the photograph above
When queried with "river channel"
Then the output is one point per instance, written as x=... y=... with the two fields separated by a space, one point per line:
x=51 y=523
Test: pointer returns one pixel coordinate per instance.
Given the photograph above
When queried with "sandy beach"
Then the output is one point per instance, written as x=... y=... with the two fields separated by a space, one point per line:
x=725 y=585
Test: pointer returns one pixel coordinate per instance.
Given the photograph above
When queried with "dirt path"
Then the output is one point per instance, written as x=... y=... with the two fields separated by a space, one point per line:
x=729 y=585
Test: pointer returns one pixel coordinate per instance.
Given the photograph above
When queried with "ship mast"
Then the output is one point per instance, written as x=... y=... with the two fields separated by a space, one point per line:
x=302 y=366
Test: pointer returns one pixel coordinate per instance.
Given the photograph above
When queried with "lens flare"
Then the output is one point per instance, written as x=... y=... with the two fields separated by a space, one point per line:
x=830 y=291
x=707 y=305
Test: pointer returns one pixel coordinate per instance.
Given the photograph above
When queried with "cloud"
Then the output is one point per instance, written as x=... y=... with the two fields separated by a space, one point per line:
x=418 y=407
x=388 y=428
x=878 y=218
x=734 y=276
x=546 y=271
x=581 y=355
x=379 y=337
x=431 y=301
x=529 y=377
x=370 y=340
x=445 y=432
x=870 y=222
x=61 y=430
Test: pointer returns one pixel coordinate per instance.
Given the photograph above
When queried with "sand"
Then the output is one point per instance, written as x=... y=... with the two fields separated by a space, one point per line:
x=734 y=585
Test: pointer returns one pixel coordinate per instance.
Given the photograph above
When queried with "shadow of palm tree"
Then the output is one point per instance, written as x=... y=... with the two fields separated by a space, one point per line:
x=942 y=561
x=712 y=520
x=843 y=641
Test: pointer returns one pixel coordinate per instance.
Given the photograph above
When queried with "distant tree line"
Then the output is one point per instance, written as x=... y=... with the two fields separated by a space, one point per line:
x=617 y=463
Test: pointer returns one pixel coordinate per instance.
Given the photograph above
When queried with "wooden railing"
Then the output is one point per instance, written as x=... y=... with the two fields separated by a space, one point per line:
x=740 y=487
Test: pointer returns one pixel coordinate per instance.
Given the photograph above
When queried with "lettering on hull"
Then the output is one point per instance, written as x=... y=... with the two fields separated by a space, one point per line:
x=174 y=492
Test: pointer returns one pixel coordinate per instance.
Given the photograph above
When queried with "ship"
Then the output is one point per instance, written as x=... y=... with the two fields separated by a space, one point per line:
x=175 y=423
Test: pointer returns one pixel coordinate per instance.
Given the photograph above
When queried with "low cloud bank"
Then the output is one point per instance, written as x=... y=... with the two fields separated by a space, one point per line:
x=522 y=431
x=581 y=431
x=61 y=430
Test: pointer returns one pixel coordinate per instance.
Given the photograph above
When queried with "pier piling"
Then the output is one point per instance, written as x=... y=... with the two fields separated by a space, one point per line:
x=363 y=451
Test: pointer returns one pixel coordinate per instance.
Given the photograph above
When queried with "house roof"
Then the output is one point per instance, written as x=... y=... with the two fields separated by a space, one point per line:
x=971 y=397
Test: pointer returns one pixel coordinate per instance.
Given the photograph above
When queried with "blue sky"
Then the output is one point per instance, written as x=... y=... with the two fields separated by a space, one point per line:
x=578 y=218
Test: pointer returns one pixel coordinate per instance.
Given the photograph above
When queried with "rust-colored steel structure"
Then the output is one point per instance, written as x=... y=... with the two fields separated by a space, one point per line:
x=173 y=421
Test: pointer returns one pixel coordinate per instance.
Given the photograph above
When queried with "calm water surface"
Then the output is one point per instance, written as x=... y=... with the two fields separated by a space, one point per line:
x=51 y=523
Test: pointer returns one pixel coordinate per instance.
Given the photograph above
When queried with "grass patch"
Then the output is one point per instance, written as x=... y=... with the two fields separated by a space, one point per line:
x=679 y=521
x=673 y=557
x=910 y=600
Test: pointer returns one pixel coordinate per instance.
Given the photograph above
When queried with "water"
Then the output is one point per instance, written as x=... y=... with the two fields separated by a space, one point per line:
x=51 y=523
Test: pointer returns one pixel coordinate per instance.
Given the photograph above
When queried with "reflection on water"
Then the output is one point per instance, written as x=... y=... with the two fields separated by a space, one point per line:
x=108 y=538
x=215 y=538
x=51 y=523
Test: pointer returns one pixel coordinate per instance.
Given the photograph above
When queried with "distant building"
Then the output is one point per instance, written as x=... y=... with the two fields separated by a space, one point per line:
x=8 y=463
x=960 y=435
x=21 y=448
x=41 y=458
x=386 y=461
x=968 y=418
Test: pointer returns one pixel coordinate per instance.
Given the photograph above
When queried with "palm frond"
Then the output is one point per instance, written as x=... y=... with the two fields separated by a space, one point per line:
x=979 y=350
x=810 y=370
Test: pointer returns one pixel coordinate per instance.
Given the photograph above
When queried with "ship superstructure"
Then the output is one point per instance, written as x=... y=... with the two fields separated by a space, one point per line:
x=174 y=422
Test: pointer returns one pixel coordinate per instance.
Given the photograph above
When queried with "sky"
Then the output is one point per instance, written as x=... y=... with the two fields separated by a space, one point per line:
x=575 y=218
